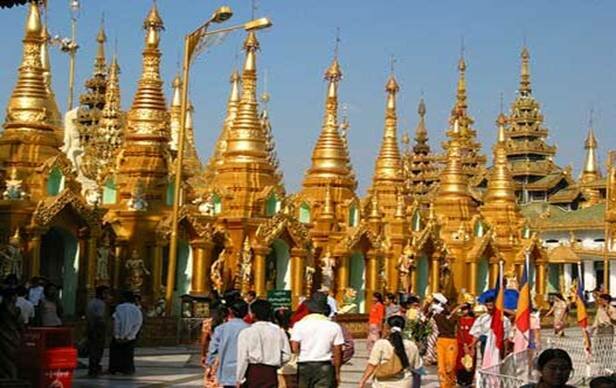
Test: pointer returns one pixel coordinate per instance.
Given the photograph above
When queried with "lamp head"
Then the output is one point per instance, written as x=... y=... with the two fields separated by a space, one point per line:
x=258 y=24
x=221 y=14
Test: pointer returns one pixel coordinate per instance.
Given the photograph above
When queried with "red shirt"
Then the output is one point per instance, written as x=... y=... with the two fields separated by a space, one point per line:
x=377 y=313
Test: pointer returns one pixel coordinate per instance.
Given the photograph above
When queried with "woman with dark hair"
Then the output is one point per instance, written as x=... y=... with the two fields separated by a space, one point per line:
x=560 y=309
x=375 y=319
x=555 y=367
x=393 y=361
x=219 y=312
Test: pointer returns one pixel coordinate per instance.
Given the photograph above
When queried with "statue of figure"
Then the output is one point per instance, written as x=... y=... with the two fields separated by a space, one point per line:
x=309 y=279
x=136 y=271
x=137 y=201
x=445 y=280
x=405 y=263
x=206 y=206
x=246 y=266
x=327 y=270
x=349 y=302
x=102 y=261
x=159 y=308
x=93 y=196
x=11 y=259
x=216 y=271
x=13 y=190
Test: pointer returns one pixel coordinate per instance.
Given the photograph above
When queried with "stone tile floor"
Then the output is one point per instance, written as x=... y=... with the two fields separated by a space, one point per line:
x=179 y=367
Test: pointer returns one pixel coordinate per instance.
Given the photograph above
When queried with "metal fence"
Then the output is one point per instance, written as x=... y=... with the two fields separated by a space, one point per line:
x=519 y=368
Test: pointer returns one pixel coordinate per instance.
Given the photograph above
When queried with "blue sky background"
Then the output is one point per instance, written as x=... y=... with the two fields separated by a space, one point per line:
x=572 y=45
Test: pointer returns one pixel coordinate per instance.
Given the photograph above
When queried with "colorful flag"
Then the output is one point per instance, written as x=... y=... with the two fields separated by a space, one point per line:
x=496 y=338
x=580 y=304
x=522 y=315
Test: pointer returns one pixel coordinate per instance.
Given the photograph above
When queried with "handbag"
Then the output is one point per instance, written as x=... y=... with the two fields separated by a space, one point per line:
x=389 y=368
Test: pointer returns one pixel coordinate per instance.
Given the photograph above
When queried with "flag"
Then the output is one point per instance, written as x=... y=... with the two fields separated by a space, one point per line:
x=522 y=314
x=496 y=337
x=580 y=306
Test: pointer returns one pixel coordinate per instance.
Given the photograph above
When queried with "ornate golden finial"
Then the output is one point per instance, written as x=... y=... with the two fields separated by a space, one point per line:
x=375 y=213
x=328 y=205
x=591 y=169
x=400 y=205
x=454 y=181
x=500 y=182
x=176 y=100
x=31 y=106
x=501 y=121
x=100 y=62
x=525 y=88
x=421 y=133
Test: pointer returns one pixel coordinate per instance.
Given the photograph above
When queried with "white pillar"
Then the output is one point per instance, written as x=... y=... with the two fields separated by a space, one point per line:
x=612 y=277
x=590 y=276
x=568 y=272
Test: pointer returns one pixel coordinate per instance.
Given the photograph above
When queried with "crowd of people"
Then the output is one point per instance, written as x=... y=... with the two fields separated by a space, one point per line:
x=36 y=303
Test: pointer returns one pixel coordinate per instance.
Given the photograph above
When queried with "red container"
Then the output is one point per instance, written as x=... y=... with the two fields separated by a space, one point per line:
x=47 y=357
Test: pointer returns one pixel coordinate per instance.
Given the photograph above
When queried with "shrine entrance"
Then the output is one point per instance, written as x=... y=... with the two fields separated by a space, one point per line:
x=483 y=276
x=278 y=266
x=423 y=275
x=357 y=279
x=60 y=264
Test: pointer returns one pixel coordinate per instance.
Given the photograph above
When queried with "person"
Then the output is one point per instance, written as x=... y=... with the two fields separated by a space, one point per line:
x=482 y=326
x=331 y=301
x=96 y=329
x=316 y=339
x=49 y=309
x=446 y=344
x=250 y=297
x=26 y=308
x=218 y=317
x=223 y=346
x=605 y=319
x=10 y=334
x=555 y=366
x=127 y=322
x=35 y=292
x=348 y=347
x=262 y=348
x=393 y=346
x=300 y=312
x=391 y=305
x=559 y=309
x=603 y=382
x=465 y=366
x=287 y=374
x=375 y=320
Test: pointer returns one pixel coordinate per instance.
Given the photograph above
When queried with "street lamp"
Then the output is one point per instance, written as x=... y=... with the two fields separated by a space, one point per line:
x=194 y=44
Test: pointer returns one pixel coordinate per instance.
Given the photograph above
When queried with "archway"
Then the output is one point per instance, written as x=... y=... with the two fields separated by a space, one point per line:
x=483 y=275
x=278 y=266
x=423 y=275
x=183 y=277
x=357 y=279
x=60 y=264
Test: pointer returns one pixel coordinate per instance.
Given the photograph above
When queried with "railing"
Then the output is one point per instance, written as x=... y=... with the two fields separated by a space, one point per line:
x=518 y=369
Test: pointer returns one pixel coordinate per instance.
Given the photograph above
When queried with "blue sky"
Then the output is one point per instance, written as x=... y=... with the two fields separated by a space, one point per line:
x=572 y=46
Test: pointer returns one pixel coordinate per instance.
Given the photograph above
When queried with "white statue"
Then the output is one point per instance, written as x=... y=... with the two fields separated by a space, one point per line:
x=216 y=271
x=137 y=201
x=11 y=259
x=102 y=261
x=246 y=265
x=136 y=271
x=13 y=190
x=206 y=206
x=309 y=279
x=72 y=145
x=327 y=270
x=93 y=196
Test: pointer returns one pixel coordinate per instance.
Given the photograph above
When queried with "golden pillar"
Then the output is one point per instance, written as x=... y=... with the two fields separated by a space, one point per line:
x=298 y=261
x=34 y=246
x=259 y=271
x=202 y=261
x=342 y=275
x=372 y=276
x=393 y=278
x=117 y=265
x=92 y=263
x=157 y=269
x=540 y=284
x=493 y=272
x=472 y=282
x=435 y=273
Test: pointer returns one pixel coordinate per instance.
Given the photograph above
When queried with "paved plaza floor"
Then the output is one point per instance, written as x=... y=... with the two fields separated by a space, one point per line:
x=178 y=366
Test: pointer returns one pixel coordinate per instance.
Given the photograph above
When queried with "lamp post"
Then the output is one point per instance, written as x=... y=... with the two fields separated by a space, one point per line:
x=194 y=43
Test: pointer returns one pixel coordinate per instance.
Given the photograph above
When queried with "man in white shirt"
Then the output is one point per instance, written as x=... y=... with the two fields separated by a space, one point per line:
x=36 y=290
x=482 y=326
x=26 y=307
x=127 y=321
x=261 y=349
x=314 y=339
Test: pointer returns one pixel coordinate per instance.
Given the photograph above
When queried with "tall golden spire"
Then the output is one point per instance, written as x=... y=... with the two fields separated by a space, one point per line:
x=31 y=107
x=388 y=167
x=500 y=182
x=591 y=171
x=330 y=158
x=421 y=133
x=146 y=144
x=220 y=147
x=525 y=88
x=100 y=61
x=453 y=180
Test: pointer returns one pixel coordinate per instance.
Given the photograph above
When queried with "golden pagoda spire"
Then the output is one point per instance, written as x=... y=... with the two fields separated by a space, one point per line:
x=146 y=145
x=525 y=88
x=31 y=106
x=500 y=182
x=421 y=133
x=328 y=206
x=221 y=143
x=100 y=61
x=330 y=157
x=192 y=164
x=591 y=171
x=453 y=180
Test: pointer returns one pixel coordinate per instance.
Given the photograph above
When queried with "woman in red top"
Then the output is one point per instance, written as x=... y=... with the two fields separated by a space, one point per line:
x=465 y=341
x=375 y=319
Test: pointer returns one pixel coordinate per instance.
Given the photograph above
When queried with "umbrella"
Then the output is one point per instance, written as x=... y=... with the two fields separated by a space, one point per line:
x=511 y=297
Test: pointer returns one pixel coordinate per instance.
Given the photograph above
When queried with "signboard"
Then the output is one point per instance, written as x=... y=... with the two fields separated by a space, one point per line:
x=279 y=298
